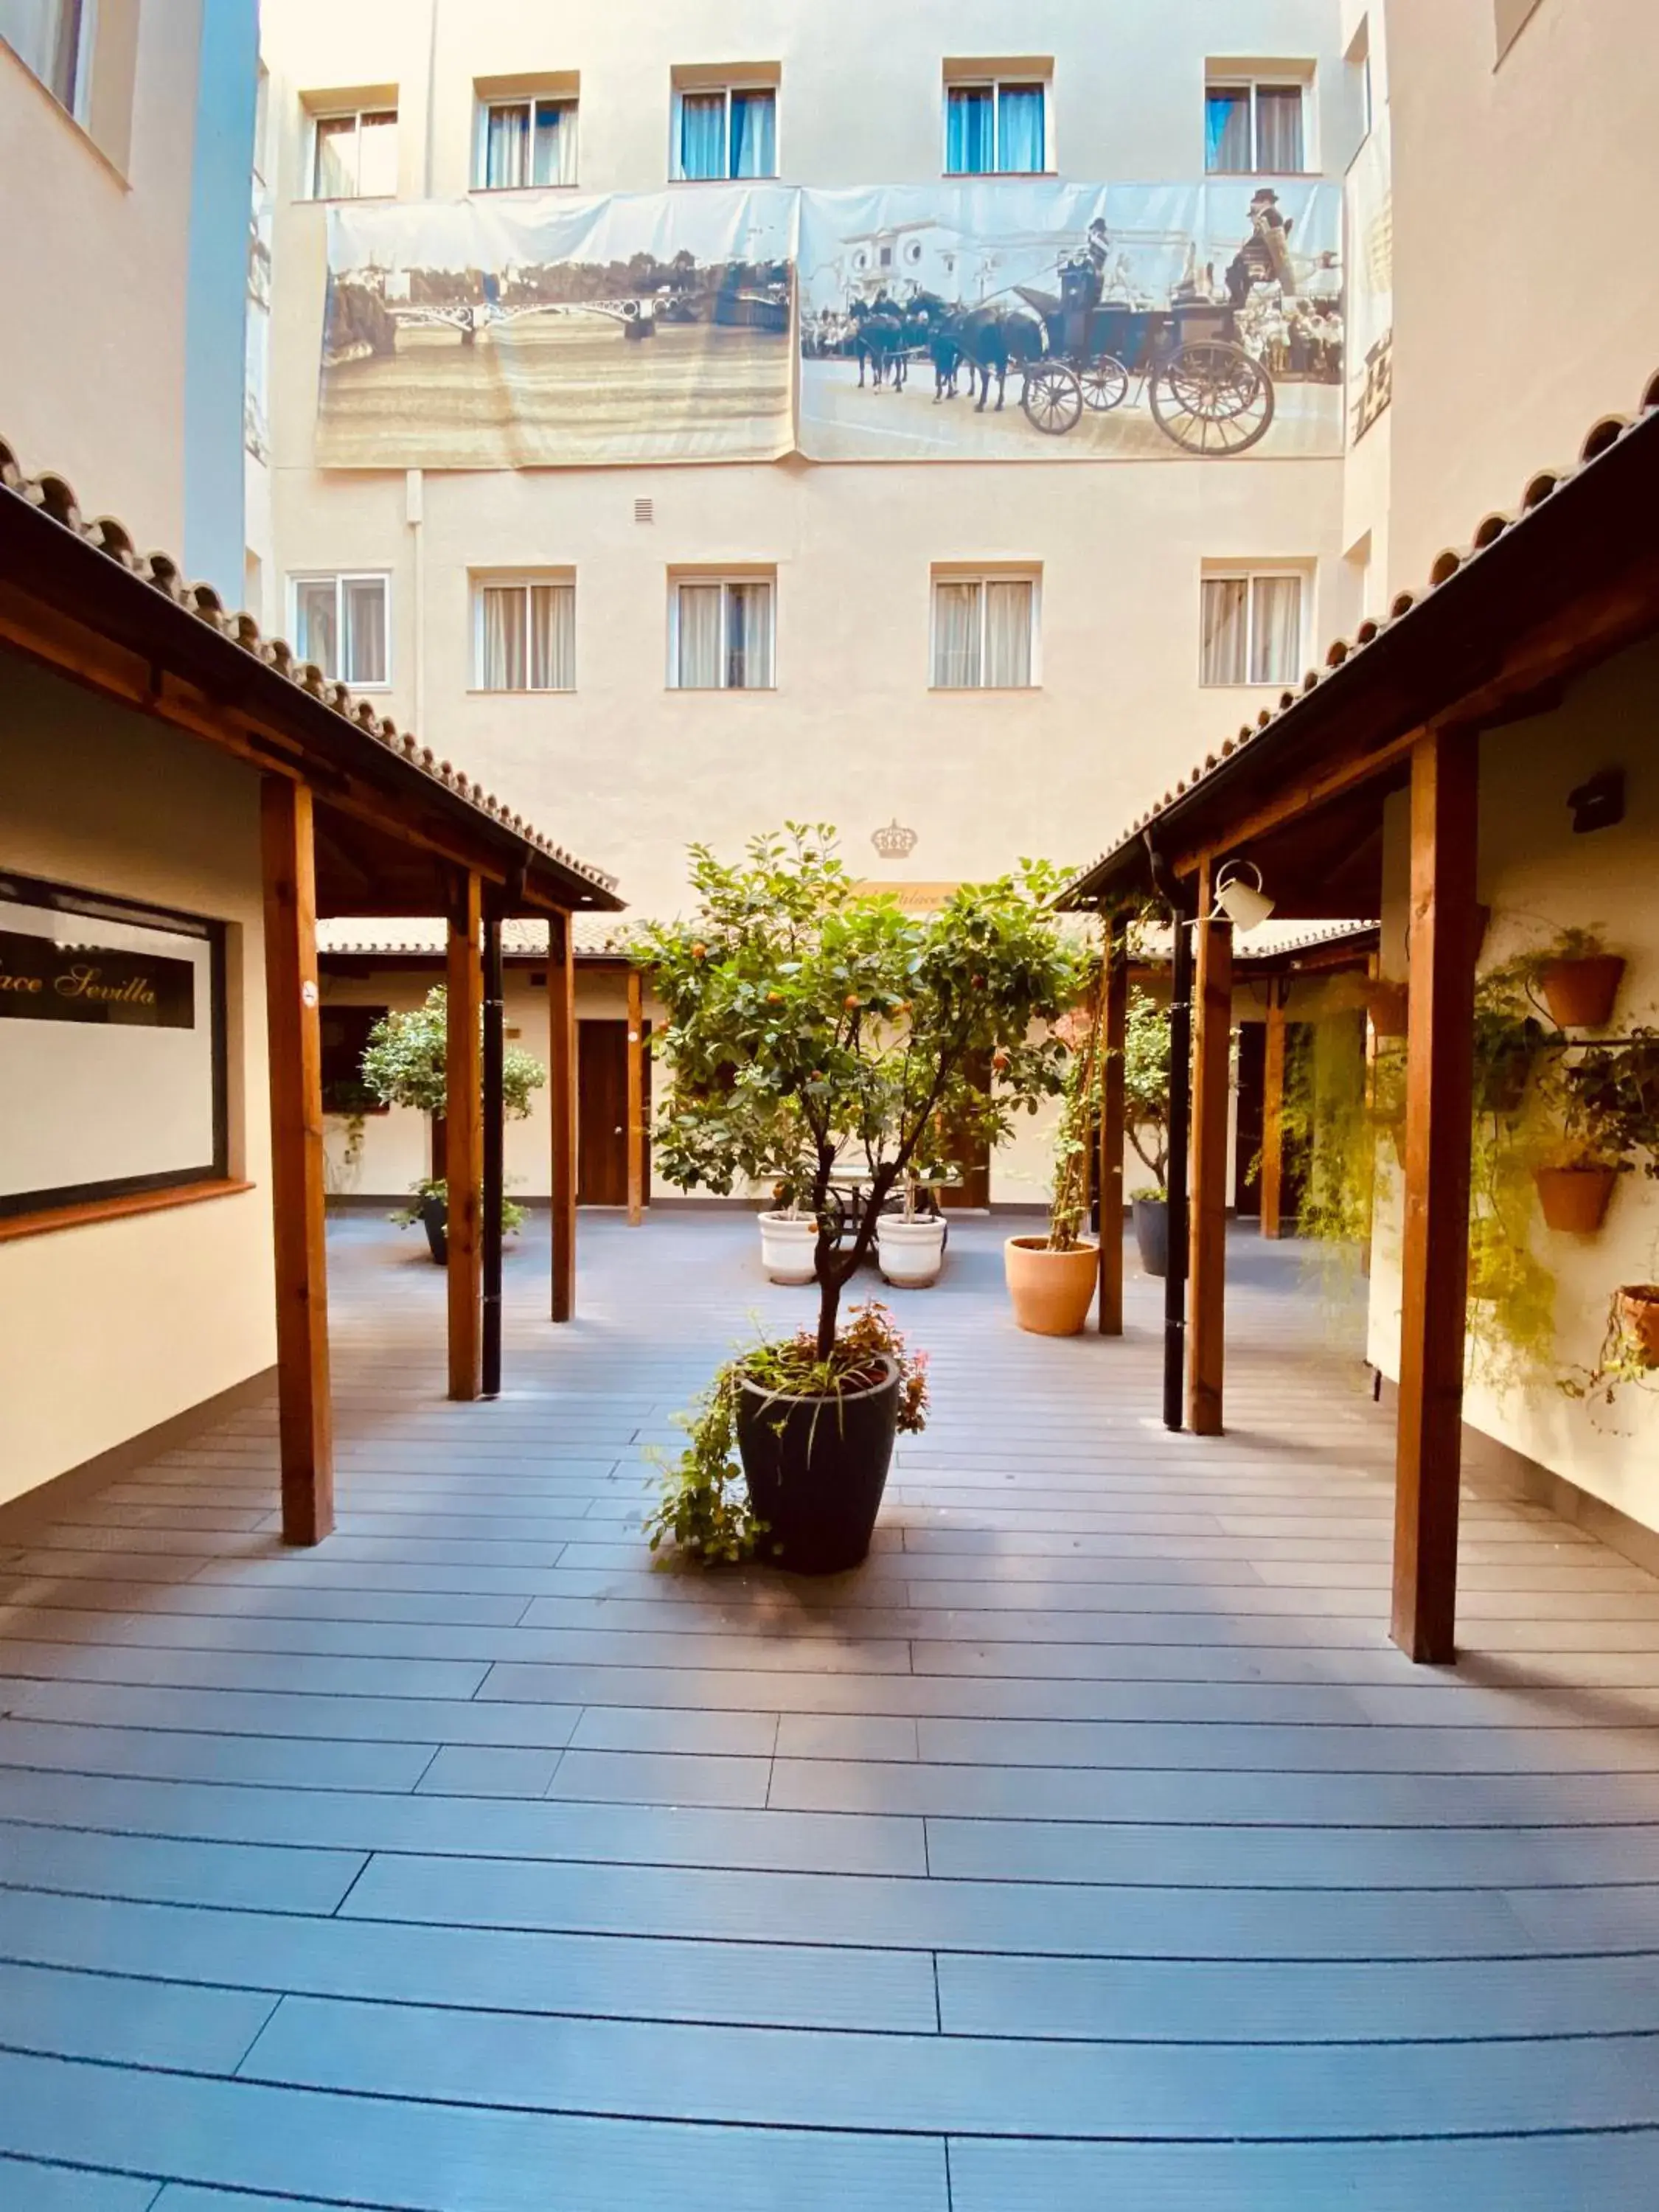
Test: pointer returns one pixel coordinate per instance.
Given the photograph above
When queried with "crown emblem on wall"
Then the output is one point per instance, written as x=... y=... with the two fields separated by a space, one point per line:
x=895 y=842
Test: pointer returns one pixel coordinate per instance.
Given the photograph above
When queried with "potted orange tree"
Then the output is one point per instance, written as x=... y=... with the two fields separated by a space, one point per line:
x=790 y=987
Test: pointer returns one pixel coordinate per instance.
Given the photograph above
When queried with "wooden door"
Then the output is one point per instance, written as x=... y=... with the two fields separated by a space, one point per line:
x=972 y=1156
x=602 y=1112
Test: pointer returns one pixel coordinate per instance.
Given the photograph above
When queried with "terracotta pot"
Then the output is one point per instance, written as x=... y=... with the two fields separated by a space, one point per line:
x=1388 y=1005
x=1579 y=993
x=1052 y=1291
x=1575 y=1199
x=1638 y=1310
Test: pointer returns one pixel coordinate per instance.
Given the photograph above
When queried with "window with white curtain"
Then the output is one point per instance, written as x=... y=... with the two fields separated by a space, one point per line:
x=996 y=126
x=720 y=633
x=342 y=623
x=526 y=142
x=1253 y=127
x=725 y=130
x=524 y=634
x=984 y=633
x=1252 y=627
x=354 y=155
x=54 y=39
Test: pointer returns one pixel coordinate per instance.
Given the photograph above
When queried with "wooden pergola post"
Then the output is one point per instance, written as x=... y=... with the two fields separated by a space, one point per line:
x=492 y=1185
x=1439 y=1087
x=1110 y=1173
x=562 y=1083
x=305 y=1416
x=1272 y=1115
x=464 y=1139
x=635 y=1099
x=1211 y=1094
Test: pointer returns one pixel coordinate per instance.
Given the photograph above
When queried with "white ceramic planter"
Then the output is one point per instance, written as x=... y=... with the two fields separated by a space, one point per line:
x=787 y=1248
x=909 y=1253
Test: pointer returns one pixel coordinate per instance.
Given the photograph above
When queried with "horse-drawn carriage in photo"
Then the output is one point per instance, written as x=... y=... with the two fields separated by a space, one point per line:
x=1208 y=394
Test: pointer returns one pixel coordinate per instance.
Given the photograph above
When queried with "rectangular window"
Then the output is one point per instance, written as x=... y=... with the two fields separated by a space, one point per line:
x=1252 y=628
x=340 y=623
x=54 y=39
x=720 y=633
x=111 y=1048
x=996 y=126
x=526 y=636
x=344 y=1037
x=526 y=142
x=354 y=155
x=1254 y=129
x=725 y=130
x=984 y=633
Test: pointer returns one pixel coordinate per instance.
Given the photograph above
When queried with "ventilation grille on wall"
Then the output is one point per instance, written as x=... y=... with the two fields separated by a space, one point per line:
x=643 y=511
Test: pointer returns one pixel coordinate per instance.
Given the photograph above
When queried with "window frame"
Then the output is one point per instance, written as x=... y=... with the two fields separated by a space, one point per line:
x=1031 y=576
x=1252 y=572
x=524 y=580
x=995 y=84
x=726 y=87
x=678 y=579
x=485 y=104
x=340 y=578
x=357 y=111
x=1254 y=82
x=75 y=98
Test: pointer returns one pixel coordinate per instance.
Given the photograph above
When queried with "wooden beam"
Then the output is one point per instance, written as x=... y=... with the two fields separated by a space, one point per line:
x=1444 y=832
x=1212 y=1096
x=635 y=1099
x=293 y=1045
x=1273 y=1116
x=1331 y=780
x=464 y=1139
x=562 y=1080
x=1112 y=1129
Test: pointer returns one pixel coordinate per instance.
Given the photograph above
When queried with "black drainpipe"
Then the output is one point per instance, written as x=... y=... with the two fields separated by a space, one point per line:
x=494 y=1046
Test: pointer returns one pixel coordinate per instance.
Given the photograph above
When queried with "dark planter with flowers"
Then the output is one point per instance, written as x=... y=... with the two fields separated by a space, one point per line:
x=817 y=1468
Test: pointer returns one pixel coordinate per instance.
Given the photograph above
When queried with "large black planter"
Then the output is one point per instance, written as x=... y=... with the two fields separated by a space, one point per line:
x=435 y=1219
x=817 y=1468
x=1152 y=1235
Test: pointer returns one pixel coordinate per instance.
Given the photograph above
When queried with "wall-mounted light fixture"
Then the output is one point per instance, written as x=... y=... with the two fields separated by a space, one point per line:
x=1234 y=898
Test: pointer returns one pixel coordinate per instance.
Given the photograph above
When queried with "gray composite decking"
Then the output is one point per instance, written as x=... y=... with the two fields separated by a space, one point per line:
x=1092 y=1847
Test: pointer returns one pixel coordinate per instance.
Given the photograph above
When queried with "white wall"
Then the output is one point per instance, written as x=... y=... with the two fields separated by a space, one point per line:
x=1539 y=877
x=114 y=1326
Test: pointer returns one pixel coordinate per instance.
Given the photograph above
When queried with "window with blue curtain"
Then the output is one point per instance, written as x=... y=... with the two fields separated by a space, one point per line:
x=754 y=134
x=702 y=134
x=1227 y=128
x=970 y=131
x=1020 y=145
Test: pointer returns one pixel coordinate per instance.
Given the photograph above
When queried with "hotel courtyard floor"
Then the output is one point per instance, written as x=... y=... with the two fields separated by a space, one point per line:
x=1091 y=1847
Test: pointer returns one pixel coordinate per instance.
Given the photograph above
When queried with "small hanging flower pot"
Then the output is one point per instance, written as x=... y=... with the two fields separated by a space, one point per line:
x=1638 y=1311
x=1575 y=1198
x=1580 y=992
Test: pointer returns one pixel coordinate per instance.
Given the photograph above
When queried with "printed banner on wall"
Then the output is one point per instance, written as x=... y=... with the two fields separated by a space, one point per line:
x=1371 y=311
x=642 y=327
x=1017 y=321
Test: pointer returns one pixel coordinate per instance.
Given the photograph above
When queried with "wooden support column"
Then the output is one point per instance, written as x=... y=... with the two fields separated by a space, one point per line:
x=1434 y=1265
x=562 y=1081
x=1212 y=1095
x=1112 y=1133
x=464 y=1140
x=305 y=1417
x=1272 y=1116
x=492 y=1187
x=635 y=1099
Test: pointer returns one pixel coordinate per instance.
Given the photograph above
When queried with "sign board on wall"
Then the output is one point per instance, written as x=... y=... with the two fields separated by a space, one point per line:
x=975 y=320
x=111 y=1047
x=1371 y=309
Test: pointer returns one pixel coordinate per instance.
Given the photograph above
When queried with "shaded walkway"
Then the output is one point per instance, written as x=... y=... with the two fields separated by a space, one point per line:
x=1091 y=1846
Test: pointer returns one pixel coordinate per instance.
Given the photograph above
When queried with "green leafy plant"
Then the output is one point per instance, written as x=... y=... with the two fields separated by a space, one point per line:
x=403 y=1062
x=1146 y=1085
x=1083 y=1031
x=435 y=1187
x=809 y=1022
x=1610 y=1094
x=702 y=1509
